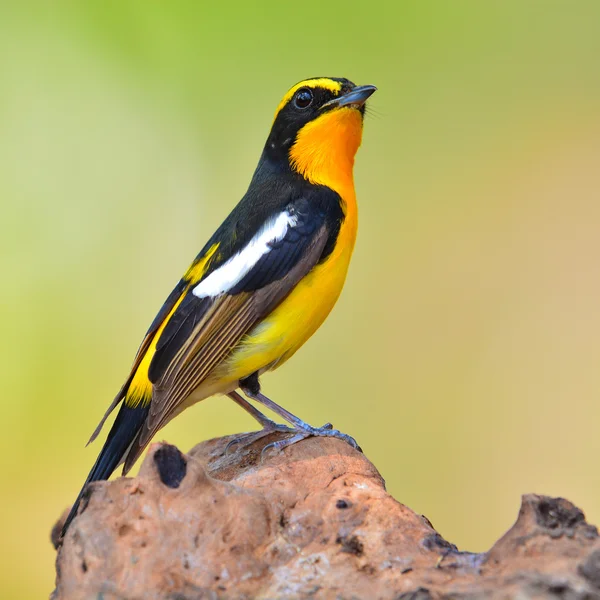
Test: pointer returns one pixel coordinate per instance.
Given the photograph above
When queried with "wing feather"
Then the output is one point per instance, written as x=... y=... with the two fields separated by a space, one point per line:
x=216 y=325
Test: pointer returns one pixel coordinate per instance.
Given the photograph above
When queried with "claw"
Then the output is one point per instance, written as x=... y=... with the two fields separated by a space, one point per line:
x=281 y=444
x=238 y=440
x=248 y=438
x=327 y=431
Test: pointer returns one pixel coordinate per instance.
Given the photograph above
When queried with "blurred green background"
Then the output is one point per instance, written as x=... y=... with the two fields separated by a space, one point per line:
x=464 y=353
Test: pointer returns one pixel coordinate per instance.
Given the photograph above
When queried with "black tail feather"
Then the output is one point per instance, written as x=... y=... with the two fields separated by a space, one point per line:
x=122 y=433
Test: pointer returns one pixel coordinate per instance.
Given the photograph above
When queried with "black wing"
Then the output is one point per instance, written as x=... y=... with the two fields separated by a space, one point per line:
x=203 y=330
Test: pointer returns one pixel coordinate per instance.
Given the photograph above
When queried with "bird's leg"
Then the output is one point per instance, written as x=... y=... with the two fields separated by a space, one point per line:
x=253 y=412
x=251 y=387
x=268 y=426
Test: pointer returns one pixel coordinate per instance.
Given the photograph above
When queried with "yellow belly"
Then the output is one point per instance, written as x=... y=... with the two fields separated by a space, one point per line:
x=295 y=320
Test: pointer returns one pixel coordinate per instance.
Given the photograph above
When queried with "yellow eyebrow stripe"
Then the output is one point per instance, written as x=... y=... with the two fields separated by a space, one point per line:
x=322 y=82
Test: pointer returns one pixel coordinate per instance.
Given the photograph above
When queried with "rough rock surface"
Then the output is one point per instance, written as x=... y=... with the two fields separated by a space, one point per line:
x=313 y=521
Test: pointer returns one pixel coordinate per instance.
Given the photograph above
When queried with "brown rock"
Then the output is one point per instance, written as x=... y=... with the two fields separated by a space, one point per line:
x=313 y=521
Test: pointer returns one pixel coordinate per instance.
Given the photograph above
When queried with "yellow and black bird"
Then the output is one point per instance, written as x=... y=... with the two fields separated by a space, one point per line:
x=260 y=287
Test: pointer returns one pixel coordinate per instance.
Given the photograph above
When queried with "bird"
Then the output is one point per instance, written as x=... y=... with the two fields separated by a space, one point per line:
x=261 y=286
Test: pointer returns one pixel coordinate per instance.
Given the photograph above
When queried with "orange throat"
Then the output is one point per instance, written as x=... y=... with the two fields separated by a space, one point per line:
x=325 y=148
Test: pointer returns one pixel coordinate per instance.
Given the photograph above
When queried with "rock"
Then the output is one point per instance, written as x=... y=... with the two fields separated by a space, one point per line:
x=313 y=521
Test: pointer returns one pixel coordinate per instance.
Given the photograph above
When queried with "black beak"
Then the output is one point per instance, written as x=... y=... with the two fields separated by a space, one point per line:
x=355 y=98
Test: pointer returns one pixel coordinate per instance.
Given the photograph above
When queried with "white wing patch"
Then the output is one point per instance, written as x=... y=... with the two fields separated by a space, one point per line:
x=239 y=265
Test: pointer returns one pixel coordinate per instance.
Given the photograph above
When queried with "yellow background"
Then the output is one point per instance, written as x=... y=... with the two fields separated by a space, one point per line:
x=464 y=353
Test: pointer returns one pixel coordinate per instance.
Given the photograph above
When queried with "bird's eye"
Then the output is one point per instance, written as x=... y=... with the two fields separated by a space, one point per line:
x=304 y=98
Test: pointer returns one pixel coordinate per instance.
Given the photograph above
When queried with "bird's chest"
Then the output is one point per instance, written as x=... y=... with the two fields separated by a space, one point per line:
x=294 y=321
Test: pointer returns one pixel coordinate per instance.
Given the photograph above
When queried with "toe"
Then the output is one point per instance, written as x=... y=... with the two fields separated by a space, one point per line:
x=281 y=444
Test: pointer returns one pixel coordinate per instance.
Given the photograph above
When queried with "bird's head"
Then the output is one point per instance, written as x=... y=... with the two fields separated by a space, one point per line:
x=318 y=127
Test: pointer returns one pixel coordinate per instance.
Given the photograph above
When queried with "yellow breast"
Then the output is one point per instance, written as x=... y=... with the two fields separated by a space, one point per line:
x=295 y=320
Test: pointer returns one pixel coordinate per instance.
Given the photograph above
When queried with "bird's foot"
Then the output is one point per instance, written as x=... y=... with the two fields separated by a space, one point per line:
x=306 y=431
x=248 y=438
x=301 y=430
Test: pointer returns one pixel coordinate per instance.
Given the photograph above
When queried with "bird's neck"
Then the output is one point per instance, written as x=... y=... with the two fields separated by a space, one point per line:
x=324 y=151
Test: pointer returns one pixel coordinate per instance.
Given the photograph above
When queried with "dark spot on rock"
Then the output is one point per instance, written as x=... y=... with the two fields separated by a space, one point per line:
x=418 y=594
x=405 y=571
x=350 y=544
x=368 y=569
x=590 y=569
x=283 y=521
x=171 y=465
x=186 y=563
x=124 y=530
x=436 y=542
x=341 y=504
x=84 y=566
x=554 y=513
x=547 y=587
x=249 y=460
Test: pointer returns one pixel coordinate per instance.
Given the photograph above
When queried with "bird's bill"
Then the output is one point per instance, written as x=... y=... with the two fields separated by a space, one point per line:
x=355 y=98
